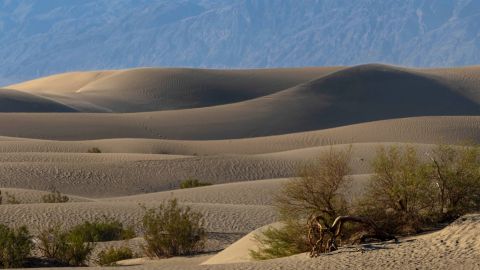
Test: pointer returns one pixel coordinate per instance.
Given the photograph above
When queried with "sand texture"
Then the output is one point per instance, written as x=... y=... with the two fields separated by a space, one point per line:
x=244 y=131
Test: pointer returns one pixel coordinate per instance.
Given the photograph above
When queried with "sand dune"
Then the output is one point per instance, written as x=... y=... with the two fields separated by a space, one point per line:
x=246 y=132
x=107 y=175
x=449 y=130
x=61 y=83
x=349 y=96
x=17 y=101
x=455 y=247
x=150 y=89
x=239 y=251
x=105 y=126
x=221 y=218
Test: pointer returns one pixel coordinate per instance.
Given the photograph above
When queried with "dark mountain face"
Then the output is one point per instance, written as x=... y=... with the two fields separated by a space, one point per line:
x=44 y=37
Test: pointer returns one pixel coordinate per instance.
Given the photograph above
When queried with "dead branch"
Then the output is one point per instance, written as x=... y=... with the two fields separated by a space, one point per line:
x=323 y=238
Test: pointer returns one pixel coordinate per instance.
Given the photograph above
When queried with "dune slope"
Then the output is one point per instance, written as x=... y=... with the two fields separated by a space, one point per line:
x=151 y=89
x=17 y=101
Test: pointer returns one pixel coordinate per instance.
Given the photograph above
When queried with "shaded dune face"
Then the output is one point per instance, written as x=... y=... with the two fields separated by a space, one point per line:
x=17 y=101
x=377 y=92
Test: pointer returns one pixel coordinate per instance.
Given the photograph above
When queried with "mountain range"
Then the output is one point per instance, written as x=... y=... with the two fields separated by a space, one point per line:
x=45 y=37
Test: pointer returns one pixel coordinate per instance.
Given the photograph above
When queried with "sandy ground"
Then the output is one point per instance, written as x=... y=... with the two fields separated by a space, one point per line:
x=246 y=132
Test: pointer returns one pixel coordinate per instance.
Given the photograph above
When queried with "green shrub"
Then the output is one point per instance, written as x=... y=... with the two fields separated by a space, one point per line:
x=105 y=230
x=171 y=230
x=405 y=195
x=65 y=248
x=455 y=171
x=400 y=195
x=55 y=197
x=95 y=150
x=15 y=246
x=192 y=183
x=110 y=256
x=319 y=189
x=280 y=242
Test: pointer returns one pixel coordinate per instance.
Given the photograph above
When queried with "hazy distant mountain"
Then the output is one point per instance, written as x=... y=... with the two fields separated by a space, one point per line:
x=50 y=36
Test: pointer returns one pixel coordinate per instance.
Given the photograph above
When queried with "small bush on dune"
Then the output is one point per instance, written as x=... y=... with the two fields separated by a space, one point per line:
x=55 y=197
x=74 y=247
x=171 y=230
x=110 y=256
x=94 y=150
x=104 y=230
x=15 y=246
x=11 y=199
x=280 y=242
x=65 y=248
x=192 y=183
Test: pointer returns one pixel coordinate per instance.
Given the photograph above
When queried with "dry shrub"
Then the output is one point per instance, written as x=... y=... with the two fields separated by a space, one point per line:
x=111 y=255
x=94 y=150
x=171 y=230
x=10 y=198
x=64 y=248
x=15 y=246
x=319 y=189
x=106 y=229
x=55 y=197
x=192 y=183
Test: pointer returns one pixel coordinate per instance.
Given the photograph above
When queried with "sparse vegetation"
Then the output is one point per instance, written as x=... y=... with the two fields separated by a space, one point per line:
x=455 y=171
x=171 y=230
x=319 y=188
x=55 y=197
x=405 y=195
x=65 y=248
x=192 y=183
x=104 y=230
x=15 y=246
x=286 y=240
x=95 y=150
x=400 y=194
x=12 y=199
x=111 y=255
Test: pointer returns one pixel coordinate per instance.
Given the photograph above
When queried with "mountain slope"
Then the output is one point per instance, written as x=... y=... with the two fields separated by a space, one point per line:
x=46 y=37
